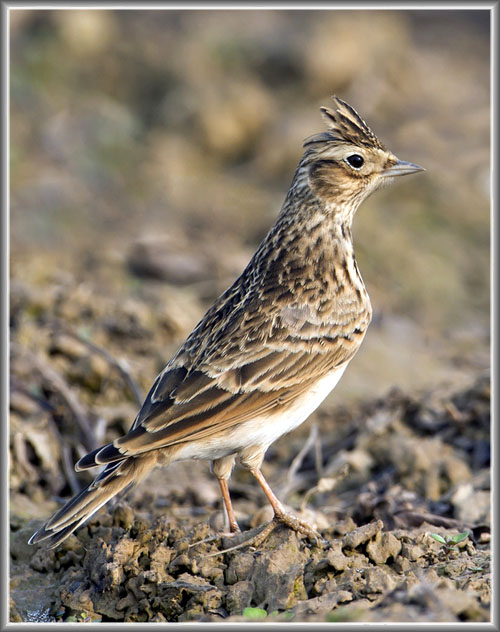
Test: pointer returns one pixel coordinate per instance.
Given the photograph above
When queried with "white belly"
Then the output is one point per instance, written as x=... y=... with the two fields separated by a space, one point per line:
x=263 y=430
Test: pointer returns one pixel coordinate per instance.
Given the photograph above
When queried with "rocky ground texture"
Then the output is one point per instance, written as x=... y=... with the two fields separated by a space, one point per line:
x=378 y=480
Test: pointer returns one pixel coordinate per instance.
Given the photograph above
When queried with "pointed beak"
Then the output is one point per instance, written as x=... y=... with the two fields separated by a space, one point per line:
x=402 y=168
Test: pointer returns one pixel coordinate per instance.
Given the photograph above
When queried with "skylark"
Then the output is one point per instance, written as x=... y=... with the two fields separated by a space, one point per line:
x=271 y=347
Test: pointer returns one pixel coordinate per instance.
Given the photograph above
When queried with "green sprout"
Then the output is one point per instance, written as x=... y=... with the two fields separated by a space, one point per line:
x=258 y=613
x=449 y=542
x=254 y=613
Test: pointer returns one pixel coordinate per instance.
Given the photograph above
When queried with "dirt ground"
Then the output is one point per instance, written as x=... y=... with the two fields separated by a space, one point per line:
x=375 y=479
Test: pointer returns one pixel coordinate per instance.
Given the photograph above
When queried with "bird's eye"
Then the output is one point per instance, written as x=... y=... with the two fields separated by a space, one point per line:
x=356 y=161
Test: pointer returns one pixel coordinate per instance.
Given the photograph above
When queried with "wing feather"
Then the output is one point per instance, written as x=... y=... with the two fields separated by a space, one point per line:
x=202 y=392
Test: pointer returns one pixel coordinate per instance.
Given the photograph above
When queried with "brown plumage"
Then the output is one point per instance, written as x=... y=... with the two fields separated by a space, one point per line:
x=271 y=347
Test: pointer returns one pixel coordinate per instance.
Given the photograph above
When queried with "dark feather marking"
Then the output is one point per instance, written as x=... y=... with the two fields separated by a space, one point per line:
x=167 y=382
x=194 y=384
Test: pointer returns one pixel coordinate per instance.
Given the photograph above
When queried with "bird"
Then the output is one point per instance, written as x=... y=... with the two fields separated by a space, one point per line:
x=271 y=347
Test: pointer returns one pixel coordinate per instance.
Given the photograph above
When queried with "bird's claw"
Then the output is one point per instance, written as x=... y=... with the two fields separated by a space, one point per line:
x=300 y=526
x=258 y=538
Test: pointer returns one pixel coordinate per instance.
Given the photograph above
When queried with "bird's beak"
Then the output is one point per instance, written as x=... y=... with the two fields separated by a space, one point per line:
x=402 y=168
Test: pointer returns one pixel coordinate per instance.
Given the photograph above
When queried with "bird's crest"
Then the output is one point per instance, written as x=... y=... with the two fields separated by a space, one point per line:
x=345 y=126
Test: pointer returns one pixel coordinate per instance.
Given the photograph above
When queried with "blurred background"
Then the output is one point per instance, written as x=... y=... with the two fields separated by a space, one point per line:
x=151 y=151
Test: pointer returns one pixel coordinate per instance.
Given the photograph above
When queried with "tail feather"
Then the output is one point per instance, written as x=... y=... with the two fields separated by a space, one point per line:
x=115 y=478
x=100 y=456
x=52 y=539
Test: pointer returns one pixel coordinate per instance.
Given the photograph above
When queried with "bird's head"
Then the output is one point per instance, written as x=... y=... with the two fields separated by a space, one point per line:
x=345 y=164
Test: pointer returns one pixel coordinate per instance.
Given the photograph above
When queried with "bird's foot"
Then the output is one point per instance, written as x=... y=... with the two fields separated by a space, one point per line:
x=264 y=531
x=298 y=525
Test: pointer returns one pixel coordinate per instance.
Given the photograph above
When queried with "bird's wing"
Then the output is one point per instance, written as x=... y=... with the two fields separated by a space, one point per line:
x=251 y=366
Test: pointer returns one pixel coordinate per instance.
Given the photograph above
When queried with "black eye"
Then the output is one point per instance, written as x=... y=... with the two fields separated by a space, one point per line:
x=356 y=161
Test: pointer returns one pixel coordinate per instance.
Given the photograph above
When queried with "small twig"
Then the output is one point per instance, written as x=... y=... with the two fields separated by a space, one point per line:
x=210 y=538
x=67 y=463
x=69 y=469
x=59 y=385
x=298 y=460
x=325 y=485
x=17 y=385
x=100 y=426
x=65 y=449
x=454 y=412
x=255 y=540
x=318 y=455
x=20 y=452
x=116 y=363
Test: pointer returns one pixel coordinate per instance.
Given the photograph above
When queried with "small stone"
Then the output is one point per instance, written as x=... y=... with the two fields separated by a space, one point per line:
x=239 y=596
x=180 y=561
x=401 y=564
x=412 y=552
x=324 y=585
x=126 y=602
x=471 y=505
x=378 y=581
x=383 y=547
x=336 y=558
x=210 y=572
x=239 y=568
x=362 y=534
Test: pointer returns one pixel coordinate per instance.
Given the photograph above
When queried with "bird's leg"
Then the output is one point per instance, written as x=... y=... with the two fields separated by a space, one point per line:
x=280 y=514
x=251 y=458
x=222 y=468
x=233 y=525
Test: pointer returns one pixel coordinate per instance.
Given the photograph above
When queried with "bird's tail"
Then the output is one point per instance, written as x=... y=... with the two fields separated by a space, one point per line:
x=115 y=478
